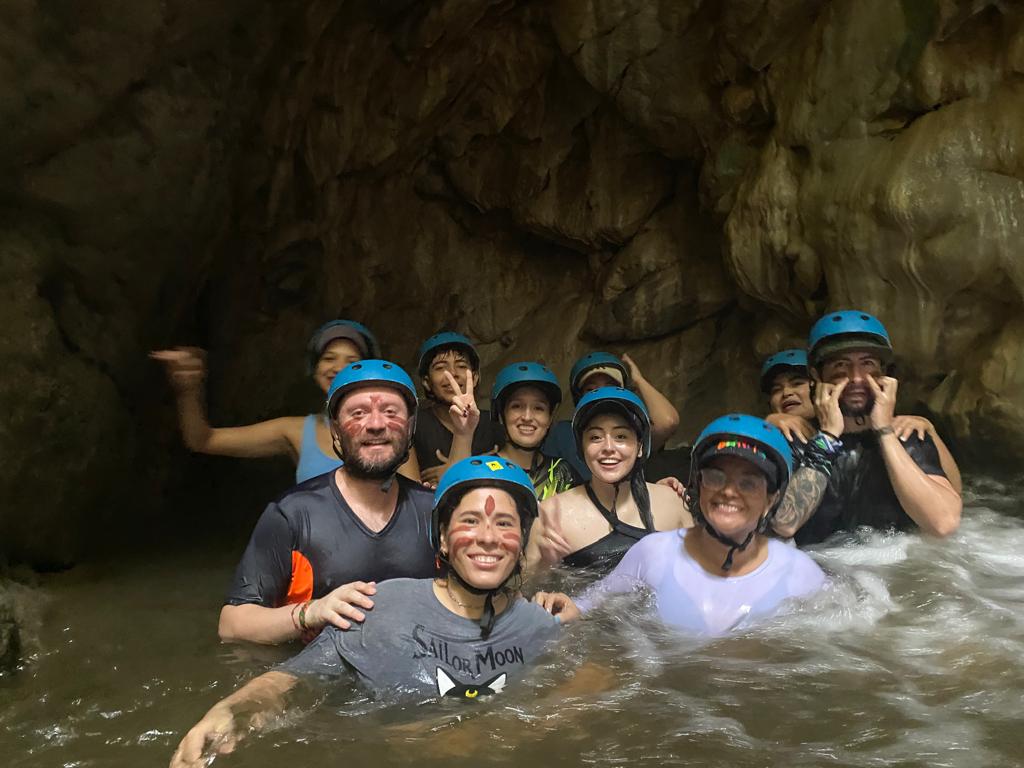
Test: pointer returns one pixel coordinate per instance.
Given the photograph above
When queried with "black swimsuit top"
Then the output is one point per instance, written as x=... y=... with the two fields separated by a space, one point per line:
x=605 y=553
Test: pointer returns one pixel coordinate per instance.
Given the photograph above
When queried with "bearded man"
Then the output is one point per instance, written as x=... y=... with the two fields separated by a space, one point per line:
x=873 y=477
x=317 y=552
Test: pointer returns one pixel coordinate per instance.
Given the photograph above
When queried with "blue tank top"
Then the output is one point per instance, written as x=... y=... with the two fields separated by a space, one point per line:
x=312 y=461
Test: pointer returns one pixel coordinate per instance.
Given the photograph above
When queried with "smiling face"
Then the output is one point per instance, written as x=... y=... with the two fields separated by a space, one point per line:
x=856 y=365
x=336 y=355
x=791 y=394
x=610 y=447
x=733 y=495
x=452 y=361
x=483 y=540
x=527 y=416
x=373 y=427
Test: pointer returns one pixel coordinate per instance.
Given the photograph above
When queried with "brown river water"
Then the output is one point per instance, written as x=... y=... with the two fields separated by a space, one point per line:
x=913 y=657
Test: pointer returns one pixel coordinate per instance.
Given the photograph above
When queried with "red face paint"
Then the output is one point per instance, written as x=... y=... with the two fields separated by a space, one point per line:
x=458 y=543
x=511 y=541
x=352 y=426
x=489 y=506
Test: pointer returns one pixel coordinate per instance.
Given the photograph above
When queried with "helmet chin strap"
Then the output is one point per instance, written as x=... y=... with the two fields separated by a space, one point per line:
x=734 y=546
x=488 y=617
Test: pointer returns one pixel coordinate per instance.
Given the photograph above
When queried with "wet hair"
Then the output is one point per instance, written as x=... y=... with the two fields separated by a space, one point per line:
x=637 y=480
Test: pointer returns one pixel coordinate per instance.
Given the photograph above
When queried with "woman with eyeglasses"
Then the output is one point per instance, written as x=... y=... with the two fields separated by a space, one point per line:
x=724 y=572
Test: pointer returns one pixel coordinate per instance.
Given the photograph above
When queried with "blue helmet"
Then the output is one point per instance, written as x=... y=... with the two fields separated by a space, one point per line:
x=355 y=332
x=848 y=329
x=618 y=400
x=368 y=373
x=747 y=437
x=779 y=362
x=589 y=362
x=517 y=374
x=446 y=339
x=484 y=472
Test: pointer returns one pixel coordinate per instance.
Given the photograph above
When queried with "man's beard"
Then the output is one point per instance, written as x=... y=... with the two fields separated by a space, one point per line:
x=857 y=411
x=377 y=469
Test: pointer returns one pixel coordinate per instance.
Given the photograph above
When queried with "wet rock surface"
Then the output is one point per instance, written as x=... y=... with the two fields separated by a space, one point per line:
x=691 y=182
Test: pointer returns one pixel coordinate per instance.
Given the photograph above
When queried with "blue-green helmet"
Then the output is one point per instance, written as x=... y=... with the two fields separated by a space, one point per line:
x=484 y=472
x=617 y=400
x=366 y=373
x=794 y=360
x=848 y=329
x=355 y=332
x=446 y=340
x=589 y=362
x=757 y=442
x=518 y=374
x=747 y=437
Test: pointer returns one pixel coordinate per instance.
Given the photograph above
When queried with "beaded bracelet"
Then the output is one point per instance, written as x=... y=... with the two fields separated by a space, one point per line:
x=302 y=617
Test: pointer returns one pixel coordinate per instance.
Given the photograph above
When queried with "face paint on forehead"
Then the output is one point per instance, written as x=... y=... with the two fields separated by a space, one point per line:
x=489 y=506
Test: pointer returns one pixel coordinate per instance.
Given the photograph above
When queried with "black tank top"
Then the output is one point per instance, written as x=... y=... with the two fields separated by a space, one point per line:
x=310 y=542
x=605 y=553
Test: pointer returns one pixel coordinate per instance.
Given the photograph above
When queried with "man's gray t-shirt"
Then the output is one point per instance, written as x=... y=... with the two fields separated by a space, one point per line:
x=411 y=644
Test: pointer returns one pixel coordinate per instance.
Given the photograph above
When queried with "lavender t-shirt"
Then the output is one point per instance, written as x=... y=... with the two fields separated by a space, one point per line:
x=702 y=603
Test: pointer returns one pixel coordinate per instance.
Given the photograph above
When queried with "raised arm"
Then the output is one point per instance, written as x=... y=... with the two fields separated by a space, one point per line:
x=664 y=416
x=465 y=418
x=929 y=500
x=809 y=482
x=186 y=370
x=229 y=720
x=547 y=545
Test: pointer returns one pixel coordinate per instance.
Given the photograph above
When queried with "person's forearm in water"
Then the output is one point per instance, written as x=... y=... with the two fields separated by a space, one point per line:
x=231 y=719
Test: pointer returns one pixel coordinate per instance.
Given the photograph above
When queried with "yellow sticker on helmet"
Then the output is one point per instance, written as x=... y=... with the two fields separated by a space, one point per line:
x=494 y=465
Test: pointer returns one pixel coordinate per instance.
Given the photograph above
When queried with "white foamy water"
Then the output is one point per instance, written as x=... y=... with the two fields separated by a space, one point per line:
x=911 y=657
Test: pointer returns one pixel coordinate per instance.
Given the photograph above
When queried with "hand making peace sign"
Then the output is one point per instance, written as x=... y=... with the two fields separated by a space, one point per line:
x=465 y=414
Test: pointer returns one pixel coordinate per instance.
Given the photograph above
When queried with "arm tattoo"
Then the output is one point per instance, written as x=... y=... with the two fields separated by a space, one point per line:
x=802 y=498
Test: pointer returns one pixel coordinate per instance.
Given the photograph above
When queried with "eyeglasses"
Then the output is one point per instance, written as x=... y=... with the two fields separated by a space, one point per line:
x=716 y=479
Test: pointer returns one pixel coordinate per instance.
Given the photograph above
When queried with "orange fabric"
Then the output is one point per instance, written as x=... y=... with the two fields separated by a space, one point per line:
x=300 y=588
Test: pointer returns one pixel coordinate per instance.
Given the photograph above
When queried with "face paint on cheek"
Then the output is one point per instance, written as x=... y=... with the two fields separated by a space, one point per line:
x=352 y=426
x=512 y=541
x=460 y=537
x=459 y=543
x=396 y=424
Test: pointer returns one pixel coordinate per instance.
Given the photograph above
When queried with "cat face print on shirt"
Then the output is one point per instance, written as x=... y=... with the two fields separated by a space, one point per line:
x=446 y=686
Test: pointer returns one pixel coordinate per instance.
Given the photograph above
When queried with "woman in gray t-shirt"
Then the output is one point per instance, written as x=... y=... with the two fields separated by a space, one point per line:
x=466 y=633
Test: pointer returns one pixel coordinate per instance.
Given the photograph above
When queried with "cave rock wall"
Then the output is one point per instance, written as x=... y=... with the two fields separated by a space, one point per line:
x=692 y=182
